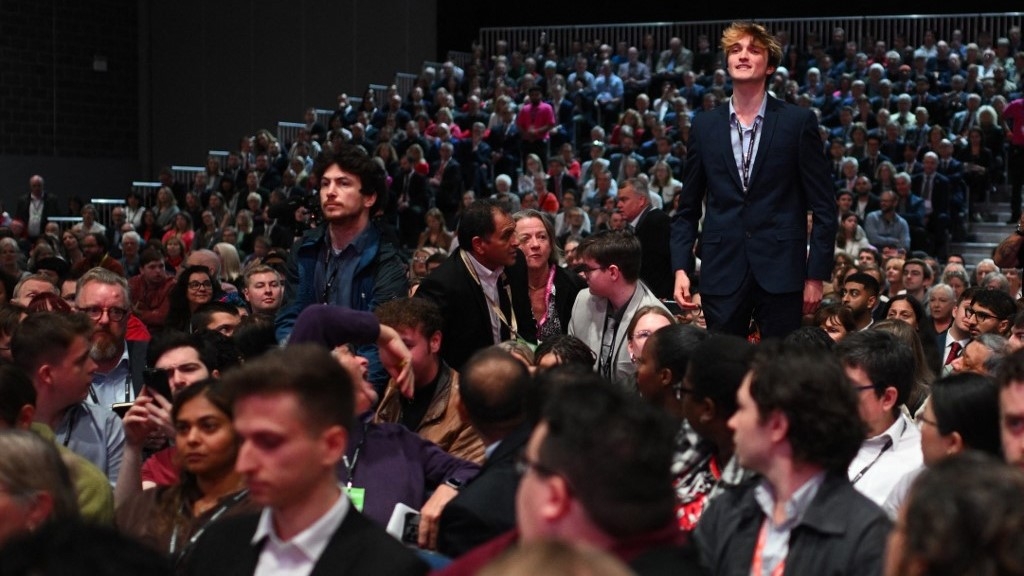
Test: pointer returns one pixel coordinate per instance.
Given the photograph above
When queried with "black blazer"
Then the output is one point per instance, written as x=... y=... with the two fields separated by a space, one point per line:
x=486 y=506
x=357 y=547
x=466 y=313
x=654 y=231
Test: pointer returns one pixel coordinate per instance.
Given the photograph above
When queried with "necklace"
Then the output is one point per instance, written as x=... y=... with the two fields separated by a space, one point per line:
x=535 y=288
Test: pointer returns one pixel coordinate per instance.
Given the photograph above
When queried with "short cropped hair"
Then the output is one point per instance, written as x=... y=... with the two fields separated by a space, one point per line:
x=887 y=360
x=613 y=247
x=46 y=337
x=324 y=389
x=478 y=220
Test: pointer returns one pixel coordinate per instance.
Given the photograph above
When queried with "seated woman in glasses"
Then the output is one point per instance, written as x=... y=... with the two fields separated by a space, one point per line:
x=194 y=287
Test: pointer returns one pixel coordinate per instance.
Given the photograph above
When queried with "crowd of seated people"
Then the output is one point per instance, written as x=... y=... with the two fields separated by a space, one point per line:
x=456 y=303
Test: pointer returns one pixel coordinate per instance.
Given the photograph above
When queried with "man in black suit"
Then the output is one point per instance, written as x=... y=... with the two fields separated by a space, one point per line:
x=35 y=208
x=446 y=183
x=411 y=202
x=756 y=258
x=653 y=228
x=936 y=191
x=479 y=304
x=474 y=157
x=293 y=410
x=492 y=389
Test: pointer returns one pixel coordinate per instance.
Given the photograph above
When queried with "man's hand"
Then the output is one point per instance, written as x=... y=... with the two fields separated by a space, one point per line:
x=137 y=425
x=159 y=412
x=682 y=291
x=396 y=358
x=812 y=295
x=430 y=516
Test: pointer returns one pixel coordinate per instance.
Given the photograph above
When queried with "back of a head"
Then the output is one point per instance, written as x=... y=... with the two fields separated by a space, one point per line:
x=46 y=336
x=807 y=385
x=567 y=349
x=717 y=368
x=620 y=474
x=493 y=388
x=29 y=465
x=254 y=336
x=323 y=388
x=675 y=346
x=16 y=392
x=964 y=515
x=80 y=549
x=968 y=404
x=556 y=558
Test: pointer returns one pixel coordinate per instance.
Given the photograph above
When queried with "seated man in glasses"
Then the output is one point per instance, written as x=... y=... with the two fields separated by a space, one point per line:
x=990 y=312
x=103 y=296
x=610 y=262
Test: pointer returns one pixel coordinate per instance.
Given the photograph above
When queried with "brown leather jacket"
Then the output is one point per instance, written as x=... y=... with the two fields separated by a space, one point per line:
x=442 y=423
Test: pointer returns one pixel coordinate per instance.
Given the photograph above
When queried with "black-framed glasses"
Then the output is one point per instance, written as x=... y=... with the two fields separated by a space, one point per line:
x=96 y=312
x=922 y=420
x=197 y=285
x=587 y=270
x=982 y=316
x=864 y=387
x=524 y=464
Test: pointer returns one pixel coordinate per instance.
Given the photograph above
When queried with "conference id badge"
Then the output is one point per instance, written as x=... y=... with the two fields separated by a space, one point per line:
x=357 y=496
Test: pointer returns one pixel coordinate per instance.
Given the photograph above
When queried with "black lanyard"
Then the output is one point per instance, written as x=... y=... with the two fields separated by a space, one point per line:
x=330 y=275
x=187 y=513
x=350 y=467
x=864 y=470
x=747 y=158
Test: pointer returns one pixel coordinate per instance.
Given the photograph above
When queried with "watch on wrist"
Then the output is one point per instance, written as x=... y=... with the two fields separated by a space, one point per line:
x=454 y=484
x=1020 y=231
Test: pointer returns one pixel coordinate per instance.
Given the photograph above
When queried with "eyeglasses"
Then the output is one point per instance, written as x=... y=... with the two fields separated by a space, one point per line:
x=196 y=285
x=921 y=421
x=982 y=316
x=865 y=387
x=96 y=312
x=641 y=335
x=524 y=463
x=586 y=270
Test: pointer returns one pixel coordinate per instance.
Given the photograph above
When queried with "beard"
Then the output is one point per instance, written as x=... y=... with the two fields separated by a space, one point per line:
x=104 y=347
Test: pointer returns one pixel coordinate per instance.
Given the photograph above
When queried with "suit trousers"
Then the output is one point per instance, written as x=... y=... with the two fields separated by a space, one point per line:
x=775 y=315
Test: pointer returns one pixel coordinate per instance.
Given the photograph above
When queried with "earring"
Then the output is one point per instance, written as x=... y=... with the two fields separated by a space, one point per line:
x=678 y=388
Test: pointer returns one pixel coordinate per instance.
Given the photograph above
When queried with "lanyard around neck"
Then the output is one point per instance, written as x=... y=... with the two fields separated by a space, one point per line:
x=747 y=156
x=512 y=326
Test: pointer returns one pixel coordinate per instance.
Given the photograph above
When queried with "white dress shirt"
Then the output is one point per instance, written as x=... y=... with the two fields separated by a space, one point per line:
x=297 y=556
x=884 y=473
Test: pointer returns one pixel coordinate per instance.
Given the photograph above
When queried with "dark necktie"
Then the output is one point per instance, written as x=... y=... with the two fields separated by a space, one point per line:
x=954 y=352
x=505 y=305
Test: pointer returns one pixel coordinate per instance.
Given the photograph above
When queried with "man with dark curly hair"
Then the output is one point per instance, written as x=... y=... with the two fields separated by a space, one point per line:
x=796 y=426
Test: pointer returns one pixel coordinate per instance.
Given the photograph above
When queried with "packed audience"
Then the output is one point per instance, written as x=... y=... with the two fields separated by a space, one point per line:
x=439 y=334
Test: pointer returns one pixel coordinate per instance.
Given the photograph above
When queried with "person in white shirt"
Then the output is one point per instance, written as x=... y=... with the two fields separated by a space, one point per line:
x=293 y=409
x=880 y=367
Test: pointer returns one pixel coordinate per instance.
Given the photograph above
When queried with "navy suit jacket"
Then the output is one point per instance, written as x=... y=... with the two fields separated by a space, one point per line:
x=763 y=231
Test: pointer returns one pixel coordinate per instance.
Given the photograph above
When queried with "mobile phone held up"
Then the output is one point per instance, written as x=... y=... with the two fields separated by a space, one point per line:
x=157 y=381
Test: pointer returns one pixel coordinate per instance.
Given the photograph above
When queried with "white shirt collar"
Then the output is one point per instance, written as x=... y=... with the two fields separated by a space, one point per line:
x=485 y=274
x=309 y=543
x=897 y=431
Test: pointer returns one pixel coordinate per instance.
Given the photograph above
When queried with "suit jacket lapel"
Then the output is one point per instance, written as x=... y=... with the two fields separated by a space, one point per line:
x=725 y=146
x=767 y=132
x=343 y=548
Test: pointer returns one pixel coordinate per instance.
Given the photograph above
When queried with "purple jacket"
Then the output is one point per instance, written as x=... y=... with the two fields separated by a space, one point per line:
x=396 y=465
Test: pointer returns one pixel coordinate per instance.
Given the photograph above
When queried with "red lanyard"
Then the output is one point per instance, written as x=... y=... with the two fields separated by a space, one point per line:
x=756 y=563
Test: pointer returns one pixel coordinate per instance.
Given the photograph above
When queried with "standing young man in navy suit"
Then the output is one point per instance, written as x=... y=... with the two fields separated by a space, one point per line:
x=758 y=163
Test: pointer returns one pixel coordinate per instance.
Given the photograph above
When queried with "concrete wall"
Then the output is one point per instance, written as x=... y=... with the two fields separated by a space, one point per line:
x=181 y=78
x=214 y=79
